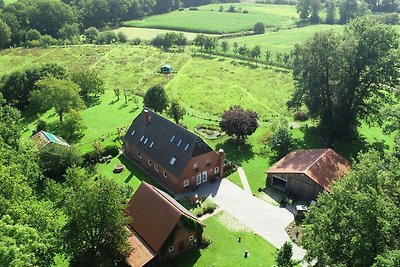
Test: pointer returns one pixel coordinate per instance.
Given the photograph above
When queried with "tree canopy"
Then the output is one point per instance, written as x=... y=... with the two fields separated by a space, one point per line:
x=344 y=79
x=156 y=99
x=239 y=122
x=360 y=220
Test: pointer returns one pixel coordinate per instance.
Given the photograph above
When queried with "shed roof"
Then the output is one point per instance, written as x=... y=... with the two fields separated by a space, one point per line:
x=155 y=214
x=162 y=140
x=167 y=66
x=323 y=166
x=141 y=253
x=43 y=138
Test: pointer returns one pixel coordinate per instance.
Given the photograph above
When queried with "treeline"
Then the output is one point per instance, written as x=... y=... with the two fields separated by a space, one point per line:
x=309 y=10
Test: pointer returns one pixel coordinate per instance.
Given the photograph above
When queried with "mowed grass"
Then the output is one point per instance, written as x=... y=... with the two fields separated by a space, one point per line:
x=282 y=41
x=206 y=21
x=225 y=250
x=148 y=34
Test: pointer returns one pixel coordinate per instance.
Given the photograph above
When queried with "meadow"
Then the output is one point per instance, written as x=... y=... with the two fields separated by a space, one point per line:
x=282 y=41
x=209 y=20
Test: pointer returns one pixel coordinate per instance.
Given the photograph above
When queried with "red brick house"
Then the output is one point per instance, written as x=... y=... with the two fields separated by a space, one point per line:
x=161 y=227
x=306 y=173
x=170 y=153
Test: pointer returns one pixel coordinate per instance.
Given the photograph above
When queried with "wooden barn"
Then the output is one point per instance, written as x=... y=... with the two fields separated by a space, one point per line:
x=173 y=155
x=306 y=173
x=161 y=227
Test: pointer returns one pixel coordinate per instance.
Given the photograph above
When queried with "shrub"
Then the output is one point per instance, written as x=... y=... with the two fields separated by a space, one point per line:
x=41 y=126
x=107 y=37
x=91 y=34
x=245 y=11
x=46 y=41
x=301 y=116
x=259 y=28
x=136 y=41
x=181 y=9
x=122 y=37
x=205 y=242
x=193 y=8
x=112 y=150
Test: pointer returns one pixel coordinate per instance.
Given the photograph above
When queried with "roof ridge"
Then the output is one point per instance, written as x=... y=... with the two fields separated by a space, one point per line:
x=323 y=154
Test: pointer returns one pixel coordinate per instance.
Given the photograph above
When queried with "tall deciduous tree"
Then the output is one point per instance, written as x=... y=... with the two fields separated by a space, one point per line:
x=95 y=231
x=176 y=111
x=343 y=79
x=330 y=6
x=156 y=98
x=92 y=86
x=5 y=34
x=63 y=95
x=350 y=9
x=360 y=219
x=239 y=122
x=303 y=7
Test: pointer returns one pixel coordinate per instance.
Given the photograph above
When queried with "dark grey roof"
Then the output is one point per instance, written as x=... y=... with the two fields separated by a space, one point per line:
x=162 y=140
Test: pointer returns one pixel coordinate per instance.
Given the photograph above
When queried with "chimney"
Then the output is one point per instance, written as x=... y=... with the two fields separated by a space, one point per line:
x=147 y=116
x=221 y=154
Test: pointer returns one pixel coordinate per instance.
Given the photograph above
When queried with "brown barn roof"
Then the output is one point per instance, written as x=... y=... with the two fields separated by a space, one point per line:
x=141 y=253
x=321 y=165
x=165 y=142
x=155 y=214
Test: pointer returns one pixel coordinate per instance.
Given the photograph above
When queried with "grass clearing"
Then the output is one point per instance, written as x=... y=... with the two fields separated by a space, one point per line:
x=225 y=250
x=208 y=20
x=148 y=34
x=282 y=41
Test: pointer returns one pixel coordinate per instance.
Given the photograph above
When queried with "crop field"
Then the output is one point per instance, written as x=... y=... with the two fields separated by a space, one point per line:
x=282 y=41
x=148 y=34
x=208 y=20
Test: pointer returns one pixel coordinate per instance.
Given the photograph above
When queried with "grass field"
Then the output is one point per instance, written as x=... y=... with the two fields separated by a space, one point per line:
x=282 y=41
x=148 y=34
x=207 y=21
x=225 y=250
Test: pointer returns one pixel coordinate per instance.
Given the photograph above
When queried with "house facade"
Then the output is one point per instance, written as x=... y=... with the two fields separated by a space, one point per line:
x=161 y=227
x=305 y=174
x=170 y=153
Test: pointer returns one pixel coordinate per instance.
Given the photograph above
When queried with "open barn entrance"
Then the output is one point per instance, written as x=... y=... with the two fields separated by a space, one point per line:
x=279 y=183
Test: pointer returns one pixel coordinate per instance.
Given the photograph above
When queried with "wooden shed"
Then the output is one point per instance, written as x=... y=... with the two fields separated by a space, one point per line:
x=306 y=173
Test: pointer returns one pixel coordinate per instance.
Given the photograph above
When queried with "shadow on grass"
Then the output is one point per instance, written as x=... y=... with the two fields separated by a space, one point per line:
x=134 y=170
x=203 y=56
x=237 y=152
x=188 y=258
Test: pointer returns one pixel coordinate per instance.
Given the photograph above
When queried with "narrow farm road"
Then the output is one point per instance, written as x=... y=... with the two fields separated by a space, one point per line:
x=262 y=218
x=244 y=180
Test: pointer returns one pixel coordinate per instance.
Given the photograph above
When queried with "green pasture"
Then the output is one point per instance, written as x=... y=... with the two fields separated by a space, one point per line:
x=148 y=34
x=282 y=41
x=206 y=21
x=223 y=230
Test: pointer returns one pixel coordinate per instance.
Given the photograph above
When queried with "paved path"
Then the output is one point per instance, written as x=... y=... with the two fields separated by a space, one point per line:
x=243 y=178
x=261 y=217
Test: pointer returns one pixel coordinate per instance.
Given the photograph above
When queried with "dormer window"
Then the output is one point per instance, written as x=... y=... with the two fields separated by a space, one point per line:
x=195 y=165
x=172 y=161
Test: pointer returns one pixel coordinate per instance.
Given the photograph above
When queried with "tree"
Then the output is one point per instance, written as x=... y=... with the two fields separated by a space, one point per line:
x=303 y=7
x=281 y=141
x=330 y=6
x=225 y=46
x=122 y=37
x=210 y=43
x=63 y=95
x=259 y=28
x=55 y=159
x=267 y=57
x=235 y=47
x=284 y=256
x=200 y=40
x=91 y=34
x=181 y=40
x=360 y=219
x=5 y=34
x=156 y=98
x=95 y=233
x=256 y=53
x=343 y=79
x=72 y=127
x=176 y=111
x=94 y=13
x=316 y=7
x=391 y=259
x=350 y=9
x=239 y=122
x=10 y=126
x=68 y=31
x=92 y=86
x=243 y=50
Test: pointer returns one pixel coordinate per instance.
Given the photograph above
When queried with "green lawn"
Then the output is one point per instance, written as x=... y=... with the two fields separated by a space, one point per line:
x=282 y=41
x=148 y=34
x=207 y=21
x=225 y=250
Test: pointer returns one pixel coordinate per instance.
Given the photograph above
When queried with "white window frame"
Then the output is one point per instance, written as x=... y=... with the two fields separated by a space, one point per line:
x=198 y=178
x=204 y=176
x=216 y=170
x=171 y=248
x=172 y=161
x=149 y=162
x=191 y=238
x=139 y=155
x=165 y=174
x=186 y=183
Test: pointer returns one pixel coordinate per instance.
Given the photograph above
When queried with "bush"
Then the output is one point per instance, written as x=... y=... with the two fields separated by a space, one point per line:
x=245 y=11
x=41 y=126
x=193 y=8
x=122 y=37
x=136 y=41
x=112 y=150
x=91 y=34
x=259 y=28
x=205 y=242
x=181 y=9
x=107 y=37
x=301 y=116
x=46 y=41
